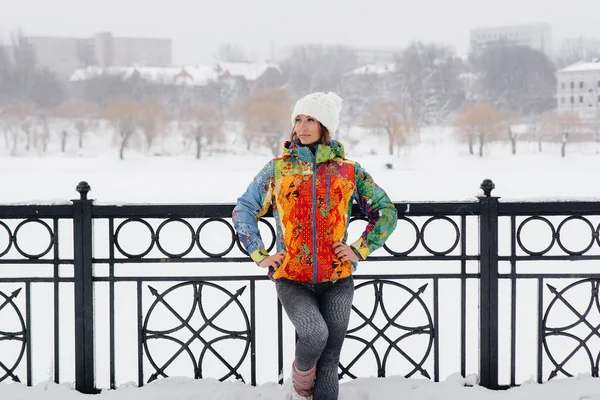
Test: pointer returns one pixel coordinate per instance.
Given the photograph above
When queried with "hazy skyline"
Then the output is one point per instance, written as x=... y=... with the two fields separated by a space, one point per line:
x=197 y=29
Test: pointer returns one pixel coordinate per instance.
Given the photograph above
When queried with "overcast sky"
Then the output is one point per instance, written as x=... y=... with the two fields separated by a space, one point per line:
x=198 y=27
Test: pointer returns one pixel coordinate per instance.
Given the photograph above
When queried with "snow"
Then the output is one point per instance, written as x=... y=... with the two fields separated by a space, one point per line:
x=193 y=75
x=582 y=66
x=434 y=171
x=395 y=387
x=249 y=71
x=196 y=75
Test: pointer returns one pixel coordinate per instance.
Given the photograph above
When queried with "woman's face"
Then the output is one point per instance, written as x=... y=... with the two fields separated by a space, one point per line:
x=307 y=129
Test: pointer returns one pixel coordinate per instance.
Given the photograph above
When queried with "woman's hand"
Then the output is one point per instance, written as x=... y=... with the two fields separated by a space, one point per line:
x=344 y=252
x=274 y=261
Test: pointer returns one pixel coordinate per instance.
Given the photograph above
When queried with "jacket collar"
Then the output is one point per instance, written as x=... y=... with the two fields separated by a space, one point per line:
x=323 y=152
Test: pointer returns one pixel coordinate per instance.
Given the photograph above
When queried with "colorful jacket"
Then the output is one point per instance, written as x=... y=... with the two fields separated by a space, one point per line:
x=312 y=196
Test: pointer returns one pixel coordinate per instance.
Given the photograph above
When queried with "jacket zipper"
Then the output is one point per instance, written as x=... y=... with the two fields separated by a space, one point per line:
x=327 y=200
x=314 y=213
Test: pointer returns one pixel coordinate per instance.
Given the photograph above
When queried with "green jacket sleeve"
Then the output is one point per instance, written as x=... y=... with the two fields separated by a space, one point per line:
x=380 y=211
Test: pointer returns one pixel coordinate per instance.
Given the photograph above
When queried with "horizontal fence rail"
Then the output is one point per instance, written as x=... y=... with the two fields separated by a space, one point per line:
x=141 y=292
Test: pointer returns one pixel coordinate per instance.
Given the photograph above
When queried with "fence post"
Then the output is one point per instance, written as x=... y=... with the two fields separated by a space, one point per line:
x=84 y=292
x=488 y=287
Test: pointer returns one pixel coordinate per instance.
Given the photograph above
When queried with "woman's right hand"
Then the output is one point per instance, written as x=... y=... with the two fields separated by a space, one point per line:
x=274 y=261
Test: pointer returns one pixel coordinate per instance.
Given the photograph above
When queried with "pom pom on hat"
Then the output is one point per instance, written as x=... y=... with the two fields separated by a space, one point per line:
x=325 y=107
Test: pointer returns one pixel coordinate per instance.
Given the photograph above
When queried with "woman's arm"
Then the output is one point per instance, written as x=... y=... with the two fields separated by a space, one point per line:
x=380 y=211
x=253 y=204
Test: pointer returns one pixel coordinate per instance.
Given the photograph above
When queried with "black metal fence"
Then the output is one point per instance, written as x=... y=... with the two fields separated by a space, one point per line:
x=460 y=287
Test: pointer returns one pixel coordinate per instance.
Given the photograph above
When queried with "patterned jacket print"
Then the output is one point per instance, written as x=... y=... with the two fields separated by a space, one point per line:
x=311 y=195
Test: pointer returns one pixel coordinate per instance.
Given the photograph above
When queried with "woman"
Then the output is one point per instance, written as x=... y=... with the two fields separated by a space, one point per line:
x=311 y=188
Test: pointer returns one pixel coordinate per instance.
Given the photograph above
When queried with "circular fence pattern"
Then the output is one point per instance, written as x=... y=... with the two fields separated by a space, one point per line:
x=10 y=239
x=50 y=236
x=456 y=238
x=174 y=221
x=186 y=332
x=10 y=311
x=581 y=333
x=552 y=236
x=559 y=237
x=390 y=332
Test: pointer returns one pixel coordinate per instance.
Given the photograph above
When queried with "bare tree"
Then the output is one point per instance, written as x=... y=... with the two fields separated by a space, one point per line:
x=511 y=123
x=575 y=50
x=563 y=125
x=428 y=81
x=26 y=128
x=124 y=115
x=539 y=130
x=266 y=118
x=23 y=63
x=479 y=122
x=204 y=124
x=43 y=133
x=15 y=117
x=6 y=73
x=515 y=78
x=64 y=111
x=595 y=125
x=22 y=80
x=48 y=90
x=312 y=68
x=108 y=87
x=78 y=114
x=231 y=53
x=362 y=89
x=226 y=92
x=150 y=120
x=81 y=126
x=395 y=120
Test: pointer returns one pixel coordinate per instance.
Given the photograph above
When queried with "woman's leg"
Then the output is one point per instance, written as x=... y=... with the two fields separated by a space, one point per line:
x=301 y=306
x=335 y=305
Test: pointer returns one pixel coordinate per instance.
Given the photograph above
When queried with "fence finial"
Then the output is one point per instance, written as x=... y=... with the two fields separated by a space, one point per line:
x=487 y=186
x=83 y=188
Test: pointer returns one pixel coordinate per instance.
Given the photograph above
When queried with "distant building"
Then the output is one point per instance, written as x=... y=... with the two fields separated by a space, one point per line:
x=265 y=75
x=258 y=75
x=579 y=89
x=536 y=36
x=63 y=55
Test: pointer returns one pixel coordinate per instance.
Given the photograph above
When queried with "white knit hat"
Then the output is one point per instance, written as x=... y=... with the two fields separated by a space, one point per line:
x=325 y=107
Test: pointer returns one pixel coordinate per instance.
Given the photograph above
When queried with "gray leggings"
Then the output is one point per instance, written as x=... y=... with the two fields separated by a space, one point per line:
x=320 y=313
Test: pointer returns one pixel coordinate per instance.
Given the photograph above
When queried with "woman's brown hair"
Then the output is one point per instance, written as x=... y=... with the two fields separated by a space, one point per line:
x=325 y=137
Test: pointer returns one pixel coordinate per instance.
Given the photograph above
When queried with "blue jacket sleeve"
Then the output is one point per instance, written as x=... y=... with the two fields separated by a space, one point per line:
x=253 y=204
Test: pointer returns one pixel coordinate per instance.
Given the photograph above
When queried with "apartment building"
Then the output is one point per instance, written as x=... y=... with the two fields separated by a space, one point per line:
x=579 y=89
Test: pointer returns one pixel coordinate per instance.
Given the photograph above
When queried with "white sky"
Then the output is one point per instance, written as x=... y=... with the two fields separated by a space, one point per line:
x=197 y=28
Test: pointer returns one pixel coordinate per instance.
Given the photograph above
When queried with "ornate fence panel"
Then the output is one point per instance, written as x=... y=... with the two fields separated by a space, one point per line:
x=111 y=294
x=551 y=287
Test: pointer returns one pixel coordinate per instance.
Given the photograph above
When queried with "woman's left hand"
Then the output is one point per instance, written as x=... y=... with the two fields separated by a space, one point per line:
x=344 y=252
